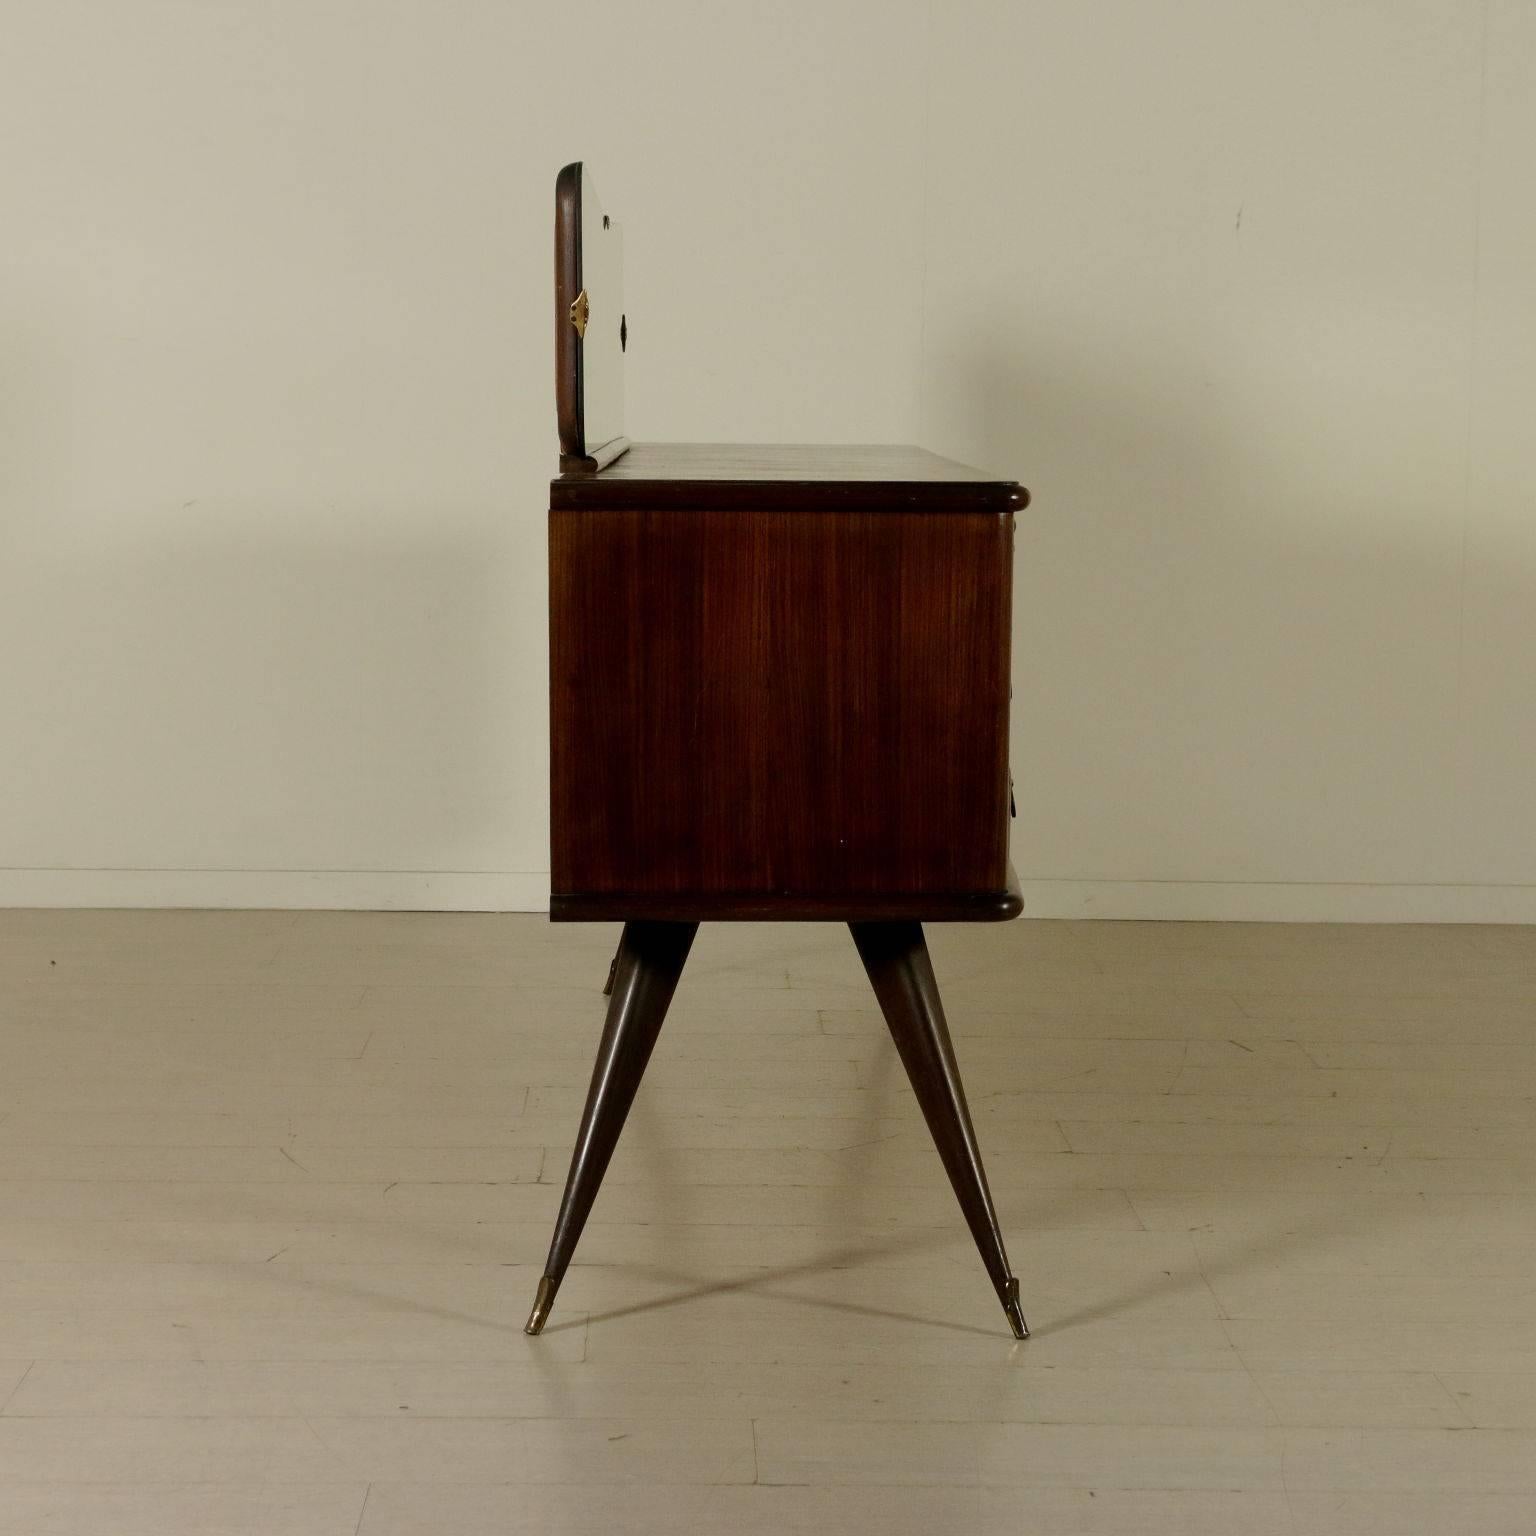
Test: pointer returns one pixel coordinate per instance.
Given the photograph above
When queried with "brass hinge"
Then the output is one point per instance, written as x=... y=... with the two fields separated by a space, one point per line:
x=579 y=310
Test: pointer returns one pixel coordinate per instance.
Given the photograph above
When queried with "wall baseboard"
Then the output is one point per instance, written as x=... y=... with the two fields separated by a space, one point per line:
x=1259 y=902
x=345 y=889
x=528 y=891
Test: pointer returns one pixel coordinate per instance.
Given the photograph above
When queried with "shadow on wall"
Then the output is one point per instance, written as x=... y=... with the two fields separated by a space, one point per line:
x=234 y=690
x=1244 y=649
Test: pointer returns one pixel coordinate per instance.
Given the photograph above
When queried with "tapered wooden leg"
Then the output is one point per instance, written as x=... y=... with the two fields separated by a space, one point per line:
x=896 y=957
x=613 y=969
x=646 y=968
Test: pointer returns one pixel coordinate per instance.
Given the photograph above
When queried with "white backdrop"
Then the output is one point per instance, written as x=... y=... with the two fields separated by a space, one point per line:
x=1245 y=292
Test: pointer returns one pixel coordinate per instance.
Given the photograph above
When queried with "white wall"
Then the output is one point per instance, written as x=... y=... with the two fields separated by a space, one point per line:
x=1245 y=292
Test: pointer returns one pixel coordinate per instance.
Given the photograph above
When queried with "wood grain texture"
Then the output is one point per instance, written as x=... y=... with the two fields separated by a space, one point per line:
x=798 y=704
x=744 y=907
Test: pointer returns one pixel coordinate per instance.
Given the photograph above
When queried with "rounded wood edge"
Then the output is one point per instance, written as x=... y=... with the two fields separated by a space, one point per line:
x=749 y=907
x=598 y=459
x=630 y=493
x=568 y=406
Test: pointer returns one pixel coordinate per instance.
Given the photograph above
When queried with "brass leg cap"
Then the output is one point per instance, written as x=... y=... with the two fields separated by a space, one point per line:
x=542 y=1302
x=1013 y=1311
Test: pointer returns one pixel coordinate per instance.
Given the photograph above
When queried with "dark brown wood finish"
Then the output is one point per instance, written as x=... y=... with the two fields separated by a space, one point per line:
x=798 y=712
x=645 y=973
x=809 y=477
x=896 y=957
x=734 y=907
x=779 y=682
x=567 y=343
x=577 y=454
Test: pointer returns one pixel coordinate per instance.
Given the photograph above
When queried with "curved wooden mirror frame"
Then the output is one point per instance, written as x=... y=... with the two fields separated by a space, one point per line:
x=591 y=330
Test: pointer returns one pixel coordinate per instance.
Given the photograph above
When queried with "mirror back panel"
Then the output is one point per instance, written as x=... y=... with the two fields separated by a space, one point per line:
x=591 y=331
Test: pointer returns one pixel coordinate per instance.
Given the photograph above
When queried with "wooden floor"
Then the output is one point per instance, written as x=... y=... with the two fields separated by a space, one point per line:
x=275 y=1189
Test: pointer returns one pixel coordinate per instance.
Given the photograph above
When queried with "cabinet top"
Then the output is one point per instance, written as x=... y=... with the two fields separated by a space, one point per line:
x=786 y=476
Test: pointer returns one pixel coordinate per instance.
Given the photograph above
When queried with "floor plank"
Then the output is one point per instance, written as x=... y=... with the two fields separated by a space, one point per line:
x=275 y=1189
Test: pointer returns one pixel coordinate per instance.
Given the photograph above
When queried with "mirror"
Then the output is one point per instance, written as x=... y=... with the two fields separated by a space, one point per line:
x=602 y=348
x=591 y=329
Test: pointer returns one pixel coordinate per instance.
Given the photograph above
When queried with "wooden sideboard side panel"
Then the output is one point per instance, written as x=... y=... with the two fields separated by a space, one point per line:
x=808 y=703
